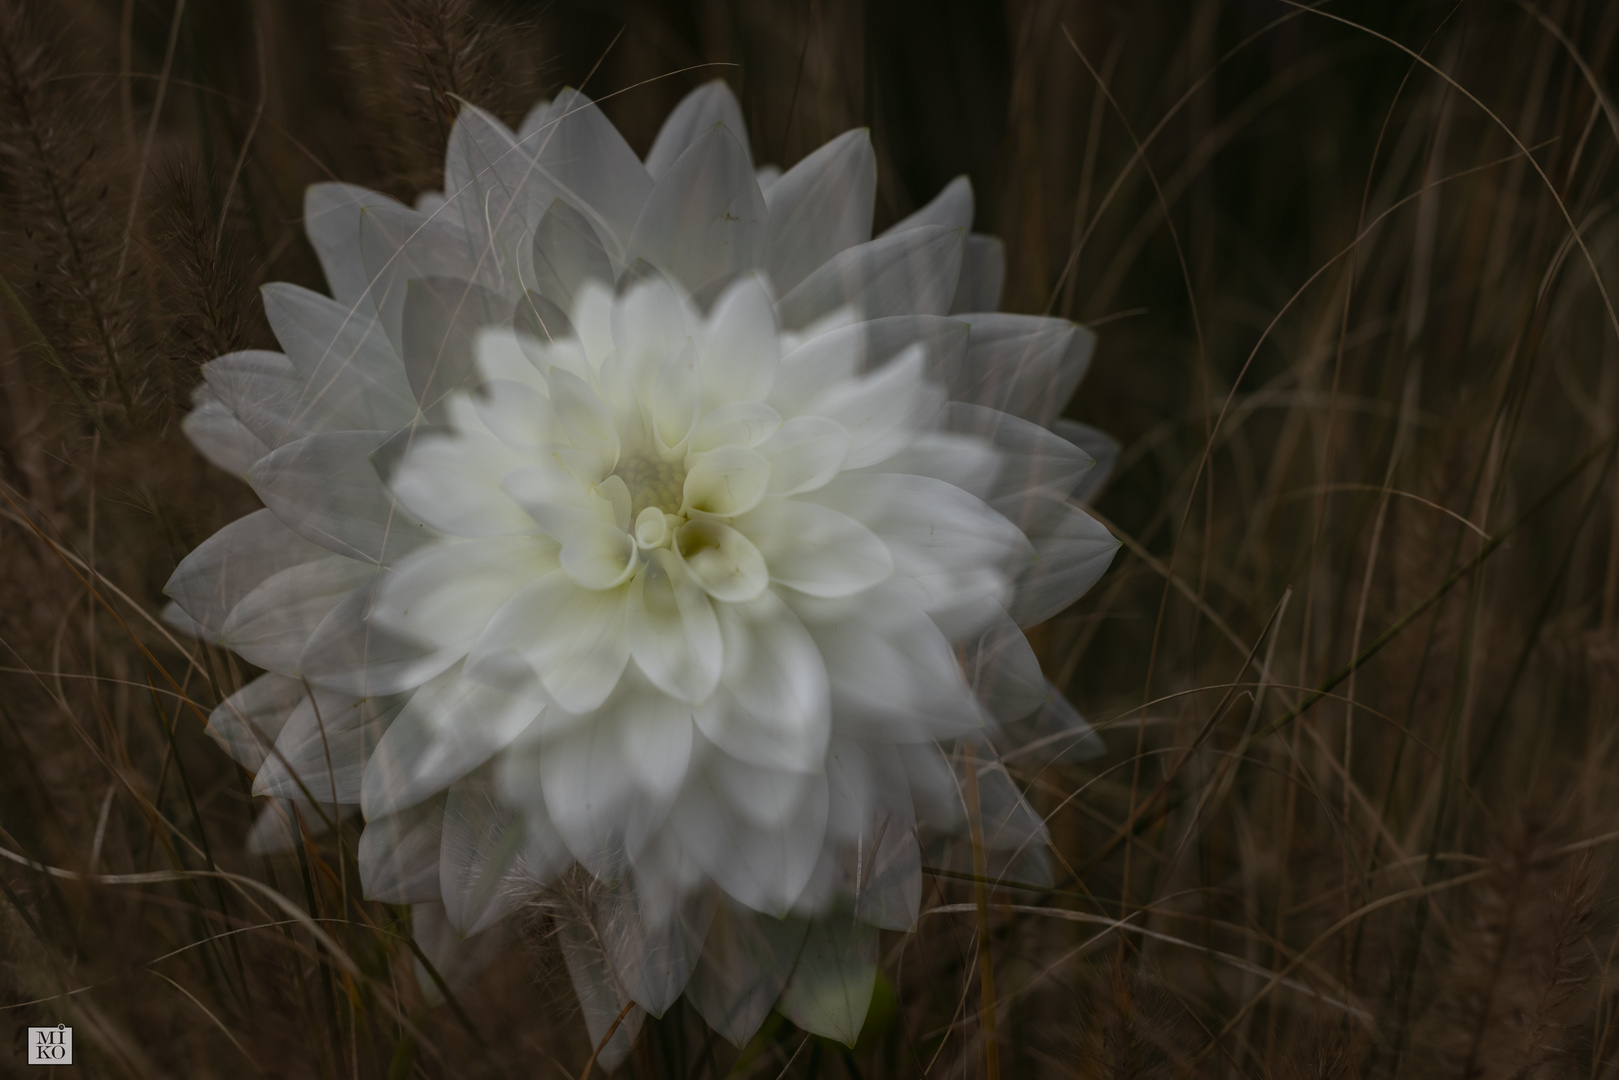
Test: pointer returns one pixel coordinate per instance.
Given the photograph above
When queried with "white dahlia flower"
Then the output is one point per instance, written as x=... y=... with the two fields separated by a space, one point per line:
x=651 y=528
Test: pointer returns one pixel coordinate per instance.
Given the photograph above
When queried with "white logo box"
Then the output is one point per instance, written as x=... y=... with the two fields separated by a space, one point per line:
x=50 y=1045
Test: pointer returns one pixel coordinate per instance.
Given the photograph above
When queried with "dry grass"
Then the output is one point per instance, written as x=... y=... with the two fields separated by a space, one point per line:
x=1354 y=269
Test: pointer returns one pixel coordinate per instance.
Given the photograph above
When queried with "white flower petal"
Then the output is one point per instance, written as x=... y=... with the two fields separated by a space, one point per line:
x=450 y=726
x=1026 y=365
x=398 y=855
x=247 y=723
x=349 y=652
x=272 y=624
x=325 y=488
x=445 y=594
x=1103 y=449
x=952 y=206
x=805 y=454
x=599 y=555
x=1070 y=555
x=353 y=377
x=573 y=637
x=885 y=411
x=726 y=481
x=831 y=986
x=909 y=273
x=815 y=549
x=741 y=347
x=722 y=560
x=324 y=747
x=567 y=252
x=221 y=438
x=698 y=112
x=440 y=324
x=741 y=423
x=821 y=206
x=705 y=218
x=214 y=578
x=332 y=214
x=454 y=485
x=600 y=997
x=673 y=633
x=479 y=845
x=745 y=963
x=584 y=156
x=983 y=271
x=584 y=416
x=778 y=715
x=263 y=390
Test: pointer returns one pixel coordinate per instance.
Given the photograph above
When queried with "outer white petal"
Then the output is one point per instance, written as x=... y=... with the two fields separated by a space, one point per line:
x=399 y=854
x=445 y=594
x=745 y=963
x=831 y=986
x=332 y=214
x=492 y=187
x=263 y=390
x=439 y=327
x=909 y=273
x=247 y=723
x=353 y=377
x=213 y=579
x=709 y=104
x=1005 y=673
x=221 y=438
x=821 y=206
x=1071 y=554
x=272 y=625
x=1102 y=447
x=325 y=489
x=952 y=206
x=567 y=252
x=573 y=637
x=478 y=849
x=983 y=271
x=350 y=653
x=585 y=157
x=885 y=411
x=705 y=217
x=601 y=998
x=652 y=951
x=324 y=747
x=806 y=453
x=1026 y=365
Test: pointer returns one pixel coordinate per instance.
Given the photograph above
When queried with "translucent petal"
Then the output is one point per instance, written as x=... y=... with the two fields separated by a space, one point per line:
x=600 y=997
x=1026 y=365
x=481 y=840
x=709 y=104
x=332 y=214
x=652 y=957
x=349 y=653
x=399 y=246
x=586 y=158
x=450 y=726
x=221 y=438
x=952 y=206
x=325 y=488
x=263 y=391
x=741 y=423
x=821 y=361
x=1103 y=449
x=439 y=328
x=247 y=723
x=1008 y=821
x=272 y=624
x=492 y=187
x=446 y=593
x=1071 y=554
x=816 y=549
x=949 y=546
x=567 y=253
x=399 y=854
x=1034 y=462
x=746 y=961
x=705 y=217
x=353 y=377
x=322 y=750
x=983 y=270
x=1055 y=733
x=778 y=710
x=908 y=273
x=1005 y=673
x=821 y=206
x=673 y=633
x=222 y=570
x=830 y=989
x=572 y=637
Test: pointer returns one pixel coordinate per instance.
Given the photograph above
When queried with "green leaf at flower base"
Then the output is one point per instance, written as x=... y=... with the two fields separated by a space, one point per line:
x=831 y=987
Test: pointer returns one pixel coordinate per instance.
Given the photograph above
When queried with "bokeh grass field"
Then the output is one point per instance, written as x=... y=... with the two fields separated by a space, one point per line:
x=1354 y=272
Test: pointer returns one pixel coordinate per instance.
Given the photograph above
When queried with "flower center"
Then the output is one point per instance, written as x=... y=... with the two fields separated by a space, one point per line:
x=653 y=482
